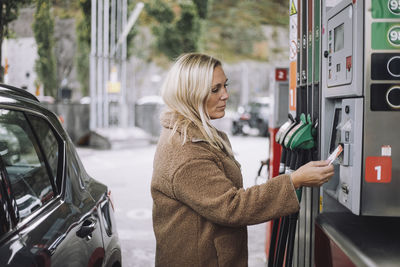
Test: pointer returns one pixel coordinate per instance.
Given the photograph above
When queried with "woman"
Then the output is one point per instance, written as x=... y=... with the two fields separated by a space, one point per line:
x=200 y=209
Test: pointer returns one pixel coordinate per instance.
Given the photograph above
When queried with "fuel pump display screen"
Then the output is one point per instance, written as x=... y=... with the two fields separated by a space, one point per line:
x=339 y=37
x=340 y=50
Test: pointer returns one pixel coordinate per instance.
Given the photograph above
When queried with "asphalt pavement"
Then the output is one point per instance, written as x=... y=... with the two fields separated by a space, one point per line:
x=127 y=172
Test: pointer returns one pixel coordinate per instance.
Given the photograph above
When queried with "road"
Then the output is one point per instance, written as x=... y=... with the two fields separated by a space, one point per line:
x=128 y=172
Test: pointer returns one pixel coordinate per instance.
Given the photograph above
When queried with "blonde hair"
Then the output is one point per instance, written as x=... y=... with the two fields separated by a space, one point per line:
x=186 y=90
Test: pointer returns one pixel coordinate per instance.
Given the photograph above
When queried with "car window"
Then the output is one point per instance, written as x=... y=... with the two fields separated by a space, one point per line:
x=24 y=164
x=49 y=143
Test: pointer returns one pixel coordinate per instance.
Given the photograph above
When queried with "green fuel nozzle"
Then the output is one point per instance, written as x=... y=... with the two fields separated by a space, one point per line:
x=304 y=138
x=289 y=137
x=301 y=141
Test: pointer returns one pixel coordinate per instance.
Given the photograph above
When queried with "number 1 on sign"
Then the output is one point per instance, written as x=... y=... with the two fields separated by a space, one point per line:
x=378 y=170
x=291 y=98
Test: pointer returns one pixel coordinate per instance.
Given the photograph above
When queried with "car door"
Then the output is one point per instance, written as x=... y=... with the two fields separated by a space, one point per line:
x=57 y=219
x=12 y=251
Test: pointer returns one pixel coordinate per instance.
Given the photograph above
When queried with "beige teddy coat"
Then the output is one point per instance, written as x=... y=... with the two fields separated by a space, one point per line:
x=200 y=209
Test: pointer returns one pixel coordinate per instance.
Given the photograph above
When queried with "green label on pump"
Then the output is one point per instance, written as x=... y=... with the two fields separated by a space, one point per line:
x=385 y=35
x=385 y=8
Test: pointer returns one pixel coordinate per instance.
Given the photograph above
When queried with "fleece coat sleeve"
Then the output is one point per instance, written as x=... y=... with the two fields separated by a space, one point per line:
x=214 y=196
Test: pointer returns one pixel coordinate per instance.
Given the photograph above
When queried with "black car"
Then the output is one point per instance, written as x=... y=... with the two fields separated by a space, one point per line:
x=252 y=119
x=51 y=212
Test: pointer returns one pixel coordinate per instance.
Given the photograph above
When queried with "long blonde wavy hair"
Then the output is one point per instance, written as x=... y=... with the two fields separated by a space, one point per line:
x=186 y=90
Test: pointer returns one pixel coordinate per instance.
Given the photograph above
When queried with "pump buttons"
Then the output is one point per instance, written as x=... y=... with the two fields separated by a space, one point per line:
x=393 y=97
x=393 y=66
x=385 y=66
x=385 y=97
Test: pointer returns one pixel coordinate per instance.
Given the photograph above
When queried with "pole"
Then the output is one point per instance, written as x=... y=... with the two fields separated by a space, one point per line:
x=117 y=54
x=112 y=30
x=100 y=83
x=128 y=24
x=93 y=26
x=123 y=94
x=106 y=72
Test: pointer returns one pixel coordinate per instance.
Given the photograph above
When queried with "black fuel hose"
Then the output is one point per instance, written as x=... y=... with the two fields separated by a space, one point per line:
x=277 y=222
x=282 y=239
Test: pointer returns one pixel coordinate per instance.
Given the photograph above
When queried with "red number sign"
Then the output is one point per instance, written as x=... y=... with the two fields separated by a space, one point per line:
x=378 y=169
x=281 y=75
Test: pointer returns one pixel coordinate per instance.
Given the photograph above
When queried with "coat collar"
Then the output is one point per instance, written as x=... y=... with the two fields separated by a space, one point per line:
x=168 y=120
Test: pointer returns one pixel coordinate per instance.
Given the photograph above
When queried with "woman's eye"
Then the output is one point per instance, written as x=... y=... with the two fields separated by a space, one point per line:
x=226 y=85
x=215 y=90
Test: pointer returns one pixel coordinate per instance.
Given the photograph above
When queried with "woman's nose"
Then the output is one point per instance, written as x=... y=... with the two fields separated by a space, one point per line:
x=224 y=95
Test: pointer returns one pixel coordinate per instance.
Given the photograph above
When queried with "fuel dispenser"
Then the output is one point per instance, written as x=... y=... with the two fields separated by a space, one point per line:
x=279 y=90
x=279 y=94
x=360 y=105
x=291 y=242
x=344 y=89
x=360 y=110
x=297 y=138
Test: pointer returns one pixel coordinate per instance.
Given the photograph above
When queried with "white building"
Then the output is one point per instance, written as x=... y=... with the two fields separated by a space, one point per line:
x=21 y=55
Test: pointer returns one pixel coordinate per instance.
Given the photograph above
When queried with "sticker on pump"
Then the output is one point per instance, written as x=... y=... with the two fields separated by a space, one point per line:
x=386 y=151
x=378 y=169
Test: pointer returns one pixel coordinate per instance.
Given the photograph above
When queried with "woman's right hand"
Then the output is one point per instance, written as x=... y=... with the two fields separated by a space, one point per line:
x=314 y=173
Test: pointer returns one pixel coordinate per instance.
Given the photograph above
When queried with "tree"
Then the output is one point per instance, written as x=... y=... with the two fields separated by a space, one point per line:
x=83 y=45
x=45 y=65
x=8 y=12
x=202 y=8
x=234 y=26
x=178 y=27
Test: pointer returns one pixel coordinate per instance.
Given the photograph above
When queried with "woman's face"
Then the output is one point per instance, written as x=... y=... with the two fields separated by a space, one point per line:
x=216 y=102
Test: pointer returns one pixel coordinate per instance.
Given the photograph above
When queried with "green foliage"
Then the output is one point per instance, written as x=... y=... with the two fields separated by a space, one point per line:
x=160 y=11
x=8 y=12
x=65 y=9
x=45 y=65
x=233 y=26
x=83 y=45
x=178 y=34
x=272 y=12
x=229 y=28
x=202 y=8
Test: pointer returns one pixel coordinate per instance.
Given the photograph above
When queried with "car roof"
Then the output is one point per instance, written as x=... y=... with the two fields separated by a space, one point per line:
x=16 y=97
x=14 y=91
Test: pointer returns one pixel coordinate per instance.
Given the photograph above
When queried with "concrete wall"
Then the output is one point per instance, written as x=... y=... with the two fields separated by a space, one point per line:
x=75 y=117
x=147 y=117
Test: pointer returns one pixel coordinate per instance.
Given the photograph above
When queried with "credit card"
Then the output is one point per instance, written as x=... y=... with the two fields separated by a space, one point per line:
x=338 y=150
